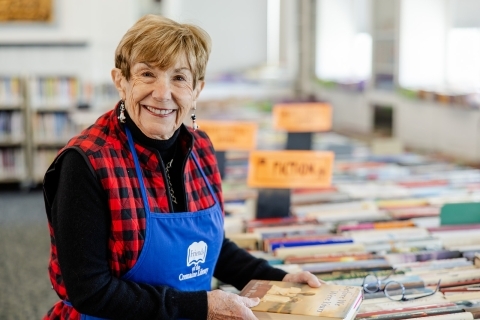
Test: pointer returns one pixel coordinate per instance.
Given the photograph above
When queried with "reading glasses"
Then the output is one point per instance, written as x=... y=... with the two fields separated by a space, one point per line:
x=394 y=290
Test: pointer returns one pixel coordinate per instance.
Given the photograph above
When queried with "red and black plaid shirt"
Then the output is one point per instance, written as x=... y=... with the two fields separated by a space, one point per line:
x=106 y=147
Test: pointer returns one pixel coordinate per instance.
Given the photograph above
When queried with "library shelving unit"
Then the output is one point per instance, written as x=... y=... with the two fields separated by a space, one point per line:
x=385 y=39
x=13 y=146
x=51 y=99
x=419 y=118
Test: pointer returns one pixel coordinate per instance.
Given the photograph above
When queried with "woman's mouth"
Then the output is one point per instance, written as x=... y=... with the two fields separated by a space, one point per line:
x=159 y=112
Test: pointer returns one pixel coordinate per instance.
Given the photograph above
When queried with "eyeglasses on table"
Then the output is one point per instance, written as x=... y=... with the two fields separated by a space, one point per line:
x=392 y=289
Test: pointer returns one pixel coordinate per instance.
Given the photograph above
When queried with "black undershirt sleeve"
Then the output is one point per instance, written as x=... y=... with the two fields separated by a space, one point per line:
x=81 y=221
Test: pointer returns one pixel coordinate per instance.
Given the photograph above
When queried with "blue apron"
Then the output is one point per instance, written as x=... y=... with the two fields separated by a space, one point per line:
x=181 y=249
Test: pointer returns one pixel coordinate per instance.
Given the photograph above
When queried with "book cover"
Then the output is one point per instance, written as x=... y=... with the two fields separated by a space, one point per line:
x=287 y=300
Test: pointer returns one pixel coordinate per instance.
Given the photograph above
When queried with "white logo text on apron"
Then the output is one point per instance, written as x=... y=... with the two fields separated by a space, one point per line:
x=196 y=253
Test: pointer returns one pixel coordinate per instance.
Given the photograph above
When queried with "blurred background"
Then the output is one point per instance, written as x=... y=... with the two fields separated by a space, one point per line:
x=404 y=72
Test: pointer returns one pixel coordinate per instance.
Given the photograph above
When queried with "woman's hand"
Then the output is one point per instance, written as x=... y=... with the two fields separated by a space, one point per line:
x=304 y=277
x=225 y=305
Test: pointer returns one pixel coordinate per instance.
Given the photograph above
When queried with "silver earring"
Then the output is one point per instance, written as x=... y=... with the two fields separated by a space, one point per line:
x=194 y=123
x=122 y=117
x=194 y=117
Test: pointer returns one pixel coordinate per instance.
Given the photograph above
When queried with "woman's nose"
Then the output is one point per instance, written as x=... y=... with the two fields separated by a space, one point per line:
x=161 y=90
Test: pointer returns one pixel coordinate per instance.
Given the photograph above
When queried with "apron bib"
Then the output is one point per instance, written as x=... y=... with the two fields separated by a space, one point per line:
x=181 y=249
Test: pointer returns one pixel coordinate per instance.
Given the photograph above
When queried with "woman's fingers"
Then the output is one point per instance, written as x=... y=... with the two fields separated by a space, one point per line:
x=304 y=277
x=225 y=305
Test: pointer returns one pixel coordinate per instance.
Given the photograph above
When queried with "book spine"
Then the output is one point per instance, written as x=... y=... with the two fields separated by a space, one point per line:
x=404 y=310
x=288 y=244
x=454 y=316
x=415 y=314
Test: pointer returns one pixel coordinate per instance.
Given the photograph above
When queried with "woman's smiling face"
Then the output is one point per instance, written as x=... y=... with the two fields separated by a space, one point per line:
x=158 y=100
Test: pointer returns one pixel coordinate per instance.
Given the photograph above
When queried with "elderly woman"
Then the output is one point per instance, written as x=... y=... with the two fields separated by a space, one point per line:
x=134 y=202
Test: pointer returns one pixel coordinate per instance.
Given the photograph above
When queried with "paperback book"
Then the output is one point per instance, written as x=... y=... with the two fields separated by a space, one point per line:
x=288 y=300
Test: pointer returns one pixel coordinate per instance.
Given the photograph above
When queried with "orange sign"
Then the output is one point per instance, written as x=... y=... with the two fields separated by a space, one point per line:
x=231 y=135
x=290 y=169
x=302 y=117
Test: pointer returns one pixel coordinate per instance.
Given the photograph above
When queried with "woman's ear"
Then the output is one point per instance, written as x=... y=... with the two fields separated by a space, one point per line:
x=117 y=78
x=198 y=88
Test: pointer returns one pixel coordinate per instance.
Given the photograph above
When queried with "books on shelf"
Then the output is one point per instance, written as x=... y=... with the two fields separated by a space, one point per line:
x=414 y=212
x=336 y=277
x=423 y=313
x=11 y=127
x=383 y=304
x=292 y=230
x=432 y=264
x=360 y=265
x=375 y=225
x=287 y=300
x=271 y=244
x=318 y=249
x=11 y=92
x=404 y=245
x=55 y=92
x=12 y=164
x=333 y=257
x=408 y=281
x=393 y=234
x=276 y=222
x=396 y=258
x=249 y=241
x=55 y=127
x=306 y=196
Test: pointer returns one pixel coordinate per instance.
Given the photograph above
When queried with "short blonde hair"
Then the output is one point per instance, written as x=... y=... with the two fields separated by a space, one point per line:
x=161 y=41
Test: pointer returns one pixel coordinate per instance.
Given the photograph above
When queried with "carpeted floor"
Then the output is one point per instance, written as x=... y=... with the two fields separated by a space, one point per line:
x=25 y=291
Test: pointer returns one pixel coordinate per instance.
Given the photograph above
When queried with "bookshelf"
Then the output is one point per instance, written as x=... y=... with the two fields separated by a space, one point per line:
x=51 y=100
x=429 y=119
x=38 y=115
x=13 y=147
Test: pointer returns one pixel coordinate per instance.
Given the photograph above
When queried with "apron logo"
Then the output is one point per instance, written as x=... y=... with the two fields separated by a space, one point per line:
x=196 y=253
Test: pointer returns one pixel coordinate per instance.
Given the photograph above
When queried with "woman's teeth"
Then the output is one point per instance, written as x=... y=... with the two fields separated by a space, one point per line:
x=159 y=111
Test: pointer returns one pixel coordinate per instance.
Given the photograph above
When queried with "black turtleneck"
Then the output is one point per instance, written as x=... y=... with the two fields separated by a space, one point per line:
x=166 y=150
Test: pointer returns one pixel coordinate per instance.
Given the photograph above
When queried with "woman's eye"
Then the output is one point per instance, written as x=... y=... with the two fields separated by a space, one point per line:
x=180 y=78
x=147 y=74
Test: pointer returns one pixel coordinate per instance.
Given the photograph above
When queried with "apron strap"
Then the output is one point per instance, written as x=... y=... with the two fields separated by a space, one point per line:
x=140 y=175
x=138 y=170
x=205 y=178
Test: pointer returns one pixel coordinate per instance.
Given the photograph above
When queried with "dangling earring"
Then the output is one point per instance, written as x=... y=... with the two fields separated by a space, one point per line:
x=122 y=117
x=194 y=117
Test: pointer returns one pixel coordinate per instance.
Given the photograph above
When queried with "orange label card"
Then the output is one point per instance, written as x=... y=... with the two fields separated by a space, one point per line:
x=302 y=117
x=231 y=135
x=290 y=169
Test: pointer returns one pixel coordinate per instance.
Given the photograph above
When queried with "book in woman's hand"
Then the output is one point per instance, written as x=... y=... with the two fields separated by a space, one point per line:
x=288 y=300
